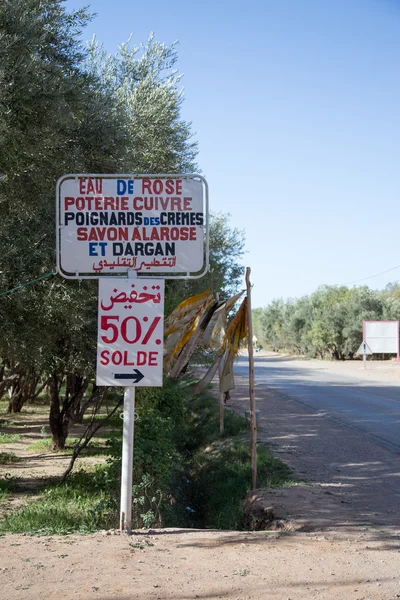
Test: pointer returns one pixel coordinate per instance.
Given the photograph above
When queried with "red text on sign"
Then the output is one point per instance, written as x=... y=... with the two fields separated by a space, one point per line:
x=119 y=357
x=90 y=186
x=130 y=328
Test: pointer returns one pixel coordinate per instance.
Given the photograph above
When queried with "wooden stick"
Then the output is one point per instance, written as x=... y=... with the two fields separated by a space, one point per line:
x=253 y=421
x=221 y=413
x=221 y=397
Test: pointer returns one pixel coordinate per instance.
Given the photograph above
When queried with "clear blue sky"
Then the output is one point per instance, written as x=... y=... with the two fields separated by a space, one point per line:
x=296 y=108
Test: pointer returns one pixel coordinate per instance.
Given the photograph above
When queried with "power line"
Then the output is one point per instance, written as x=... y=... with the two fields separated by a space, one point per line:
x=372 y=276
x=22 y=285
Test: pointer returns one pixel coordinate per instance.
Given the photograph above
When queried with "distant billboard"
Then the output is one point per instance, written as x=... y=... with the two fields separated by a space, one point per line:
x=119 y=224
x=382 y=337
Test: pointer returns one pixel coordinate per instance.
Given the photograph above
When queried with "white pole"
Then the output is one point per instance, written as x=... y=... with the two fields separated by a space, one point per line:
x=127 y=459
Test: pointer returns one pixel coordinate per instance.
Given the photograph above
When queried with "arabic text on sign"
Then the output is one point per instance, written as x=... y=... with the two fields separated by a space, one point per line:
x=133 y=297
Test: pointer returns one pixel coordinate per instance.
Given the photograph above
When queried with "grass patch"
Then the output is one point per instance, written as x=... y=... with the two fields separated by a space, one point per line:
x=95 y=448
x=9 y=438
x=81 y=505
x=3 y=405
x=217 y=469
x=43 y=445
x=7 y=458
x=42 y=400
x=100 y=416
x=31 y=409
x=203 y=422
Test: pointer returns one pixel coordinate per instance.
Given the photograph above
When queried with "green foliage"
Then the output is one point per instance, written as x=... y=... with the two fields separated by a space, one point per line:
x=168 y=401
x=147 y=502
x=53 y=120
x=222 y=477
x=160 y=432
x=155 y=451
x=391 y=302
x=327 y=324
x=226 y=249
x=65 y=109
x=220 y=468
x=143 y=81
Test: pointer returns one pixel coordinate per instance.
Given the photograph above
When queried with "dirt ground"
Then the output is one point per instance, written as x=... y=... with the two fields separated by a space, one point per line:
x=200 y=564
x=341 y=535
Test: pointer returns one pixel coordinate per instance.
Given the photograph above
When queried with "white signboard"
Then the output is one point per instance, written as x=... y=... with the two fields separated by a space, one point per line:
x=109 y=224
x=130 y=332
x=382 y=336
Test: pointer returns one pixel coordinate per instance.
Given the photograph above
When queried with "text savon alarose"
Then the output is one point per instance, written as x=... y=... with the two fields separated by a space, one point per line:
x=124 y=234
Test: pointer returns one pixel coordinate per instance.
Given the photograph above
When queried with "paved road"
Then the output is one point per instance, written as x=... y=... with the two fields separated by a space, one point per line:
x=370 y=407
x=338 y=432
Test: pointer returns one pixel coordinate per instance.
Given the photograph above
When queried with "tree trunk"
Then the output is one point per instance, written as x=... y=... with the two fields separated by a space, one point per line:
x=58 y=423
x=16 y=402
x=6 y=384
x=2 y=370
x=36 y=391
x=334 y=354
x=23 y=390
x=81 y=407
x=62 y=410
x=76 y=388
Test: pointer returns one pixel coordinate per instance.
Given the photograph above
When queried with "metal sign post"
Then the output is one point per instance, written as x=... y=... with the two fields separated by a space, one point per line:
x=364 y=349
x=127 y=459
